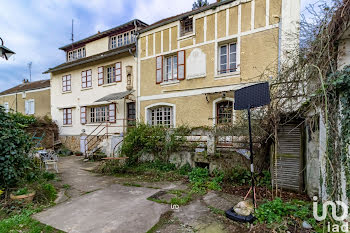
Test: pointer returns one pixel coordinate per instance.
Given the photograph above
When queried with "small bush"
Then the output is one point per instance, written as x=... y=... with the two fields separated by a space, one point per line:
x=238 y=175
x=201 y=181
x=49 y=176
x=49 y=191
x=185 y=169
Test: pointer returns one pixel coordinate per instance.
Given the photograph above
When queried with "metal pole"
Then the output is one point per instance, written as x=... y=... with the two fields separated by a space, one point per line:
x=251 y=156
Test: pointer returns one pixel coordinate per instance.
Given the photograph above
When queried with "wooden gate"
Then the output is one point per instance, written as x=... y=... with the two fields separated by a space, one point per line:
x=288 y=167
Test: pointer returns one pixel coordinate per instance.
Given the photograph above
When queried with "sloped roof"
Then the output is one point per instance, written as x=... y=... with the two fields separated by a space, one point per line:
x=104 y=33
x=115 y=96
x=92 y=58
x=27 y=86
x=184 y=15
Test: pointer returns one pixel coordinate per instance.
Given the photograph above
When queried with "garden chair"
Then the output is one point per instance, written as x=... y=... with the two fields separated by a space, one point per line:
x=50 y=158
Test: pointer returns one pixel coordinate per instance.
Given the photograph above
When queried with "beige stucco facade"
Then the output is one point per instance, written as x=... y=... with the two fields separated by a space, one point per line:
x=250 y=24
x=84 y=97
x=16 y=101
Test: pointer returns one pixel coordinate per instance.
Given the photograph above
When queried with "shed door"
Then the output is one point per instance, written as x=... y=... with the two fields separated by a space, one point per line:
x=287 y=169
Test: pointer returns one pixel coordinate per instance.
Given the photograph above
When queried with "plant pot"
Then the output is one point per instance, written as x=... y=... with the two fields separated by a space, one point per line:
x=79 y=154
x=25 y=197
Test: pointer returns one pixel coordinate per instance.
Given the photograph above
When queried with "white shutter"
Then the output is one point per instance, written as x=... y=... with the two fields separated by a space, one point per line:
x=111 y=113
x=181 y=65
x=32 y=107
x=83 y=115
x=159 y=69
x=100 y=76
x=26 y=107
x=118 y=72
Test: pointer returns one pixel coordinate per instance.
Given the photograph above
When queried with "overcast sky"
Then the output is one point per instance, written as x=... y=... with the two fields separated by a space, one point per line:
x=35 y=29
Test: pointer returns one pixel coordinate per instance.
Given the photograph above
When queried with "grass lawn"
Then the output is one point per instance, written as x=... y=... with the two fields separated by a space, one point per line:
x=22 y=222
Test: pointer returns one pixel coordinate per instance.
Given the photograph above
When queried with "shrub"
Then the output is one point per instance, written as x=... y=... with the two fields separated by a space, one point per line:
x=156 y=140
x=238 y=175
x=48 y=191
x=15 y=144
x=185 y=169
x=49 y=176
x=201 y=181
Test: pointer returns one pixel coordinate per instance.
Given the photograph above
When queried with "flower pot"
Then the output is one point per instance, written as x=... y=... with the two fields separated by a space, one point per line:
x=25 y=197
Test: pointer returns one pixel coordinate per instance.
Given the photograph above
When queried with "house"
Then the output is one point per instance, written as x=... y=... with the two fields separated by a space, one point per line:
x=189 y=65
x=29 y=98
x=93 y=92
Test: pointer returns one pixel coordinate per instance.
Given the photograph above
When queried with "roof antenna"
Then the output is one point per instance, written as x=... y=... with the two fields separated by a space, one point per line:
x=72 y=32
x=30 y=71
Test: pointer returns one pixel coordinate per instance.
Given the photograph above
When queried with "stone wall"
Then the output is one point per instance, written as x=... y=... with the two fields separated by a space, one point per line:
x=71 y=142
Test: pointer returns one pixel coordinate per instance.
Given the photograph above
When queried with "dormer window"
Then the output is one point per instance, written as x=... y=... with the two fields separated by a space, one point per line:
x=186 y=26
x=76 y=54
x=122 y=39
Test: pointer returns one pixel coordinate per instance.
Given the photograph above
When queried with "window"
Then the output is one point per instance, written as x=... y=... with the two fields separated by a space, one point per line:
x=6 y=106
x=99 y=114
x=113 y=73
x=76 y=54
x=86 y=79
x=170 y=68
x=170 y=64
x=66 y=83
x=224 y=112
x=29 y=107
x=161 y=116
x=186 y=26
x=122 y=39
x=227 y=58
x=67 y=116
x=131 y=114
x=110 y=71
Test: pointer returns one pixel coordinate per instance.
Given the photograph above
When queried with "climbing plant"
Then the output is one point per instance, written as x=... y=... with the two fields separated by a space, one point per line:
x=15 y=144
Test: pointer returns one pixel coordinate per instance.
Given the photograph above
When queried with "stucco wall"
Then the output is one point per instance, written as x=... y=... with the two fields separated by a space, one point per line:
x=41 y=101
x=97 y=46
x=83 y=97
x=193 y=111
x=250 y=24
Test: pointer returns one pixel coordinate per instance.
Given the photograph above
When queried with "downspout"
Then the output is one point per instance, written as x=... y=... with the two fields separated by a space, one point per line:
x=279 y=43
x=16 y=102
x=137 y=74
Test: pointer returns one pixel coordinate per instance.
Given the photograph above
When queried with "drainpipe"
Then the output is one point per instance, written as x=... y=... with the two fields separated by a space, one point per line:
x=279 y=44
x=16 y=102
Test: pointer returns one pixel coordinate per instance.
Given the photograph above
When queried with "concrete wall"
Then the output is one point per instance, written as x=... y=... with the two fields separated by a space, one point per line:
x=41 y=101
x=78 y=97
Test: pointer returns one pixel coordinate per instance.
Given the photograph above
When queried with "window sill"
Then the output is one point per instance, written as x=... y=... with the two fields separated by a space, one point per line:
x=198 y=76
x=67 y=125
x=109 y=84
x=66 y=92
x=227 y=75
x=86 y=88
x=170 y=83
x=98 y=124
x=186 y=36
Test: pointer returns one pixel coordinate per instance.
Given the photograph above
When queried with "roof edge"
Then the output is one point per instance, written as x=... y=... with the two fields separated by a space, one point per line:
x=102 y=34
x=183 y=15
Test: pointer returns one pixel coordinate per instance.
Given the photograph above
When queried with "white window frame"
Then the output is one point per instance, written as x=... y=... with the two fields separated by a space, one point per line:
x=173 y=71
x=216 y=101
x=66 y=83
x=122 y=39
x=228 y=60
x=76 y=54
x=149 y=108
x=29 y=106
x=99 y=114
